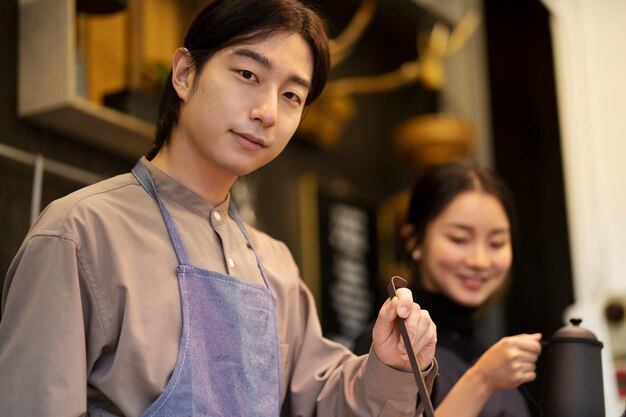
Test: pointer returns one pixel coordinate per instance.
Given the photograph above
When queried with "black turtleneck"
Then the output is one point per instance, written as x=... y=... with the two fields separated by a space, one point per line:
x=455 y=324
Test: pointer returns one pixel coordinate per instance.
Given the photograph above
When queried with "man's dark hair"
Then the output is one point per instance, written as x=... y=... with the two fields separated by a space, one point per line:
x=224 y=23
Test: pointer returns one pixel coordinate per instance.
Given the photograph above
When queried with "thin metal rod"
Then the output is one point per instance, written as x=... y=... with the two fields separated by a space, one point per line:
x=66 y=171
x=40 y=165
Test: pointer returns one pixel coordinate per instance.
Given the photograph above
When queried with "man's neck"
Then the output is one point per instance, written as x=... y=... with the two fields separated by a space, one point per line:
x=210 y=184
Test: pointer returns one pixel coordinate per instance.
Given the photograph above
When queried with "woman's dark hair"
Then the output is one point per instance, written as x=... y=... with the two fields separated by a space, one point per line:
x=440 y=184
x=224 y=23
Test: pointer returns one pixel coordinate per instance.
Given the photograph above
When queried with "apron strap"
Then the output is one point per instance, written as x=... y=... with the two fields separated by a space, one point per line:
x=145 y=179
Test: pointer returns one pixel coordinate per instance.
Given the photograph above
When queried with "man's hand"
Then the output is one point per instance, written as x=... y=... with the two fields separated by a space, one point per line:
x=387 y=340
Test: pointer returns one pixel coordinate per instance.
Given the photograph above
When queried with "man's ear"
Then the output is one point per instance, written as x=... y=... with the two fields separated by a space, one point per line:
x=183 y=72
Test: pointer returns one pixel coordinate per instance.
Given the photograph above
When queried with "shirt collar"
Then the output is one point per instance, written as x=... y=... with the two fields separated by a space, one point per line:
x=180 y=194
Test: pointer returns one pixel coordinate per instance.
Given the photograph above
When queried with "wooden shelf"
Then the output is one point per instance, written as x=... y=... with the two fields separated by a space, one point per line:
x=47 y=77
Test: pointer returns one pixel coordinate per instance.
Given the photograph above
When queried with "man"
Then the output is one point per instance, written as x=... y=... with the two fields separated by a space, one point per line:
x=146 y=295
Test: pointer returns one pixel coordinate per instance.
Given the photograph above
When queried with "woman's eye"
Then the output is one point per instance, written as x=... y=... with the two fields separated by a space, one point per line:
x=497 y=245
x=458 y=240
x=247 y=75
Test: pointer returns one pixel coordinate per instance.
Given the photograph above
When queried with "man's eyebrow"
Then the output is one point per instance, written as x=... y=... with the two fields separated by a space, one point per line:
x=255 y=56
x=266 y=63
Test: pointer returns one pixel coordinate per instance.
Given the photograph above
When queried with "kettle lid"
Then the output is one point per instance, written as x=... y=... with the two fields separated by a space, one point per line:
x=575 y=333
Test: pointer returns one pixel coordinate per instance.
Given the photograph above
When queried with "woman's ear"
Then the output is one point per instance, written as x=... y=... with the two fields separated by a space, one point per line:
x=410 y=239
x=183 y=72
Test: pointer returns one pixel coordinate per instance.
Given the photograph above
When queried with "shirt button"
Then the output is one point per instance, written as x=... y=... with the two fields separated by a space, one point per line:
x=231 y=263
x=217 y=215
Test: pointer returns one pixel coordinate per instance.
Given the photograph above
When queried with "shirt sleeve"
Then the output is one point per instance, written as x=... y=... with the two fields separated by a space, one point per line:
x=42 y=333
x=329 y=380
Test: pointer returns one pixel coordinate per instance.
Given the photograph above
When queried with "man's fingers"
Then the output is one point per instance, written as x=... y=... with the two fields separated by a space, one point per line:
x=426 y=330
x=405 y=302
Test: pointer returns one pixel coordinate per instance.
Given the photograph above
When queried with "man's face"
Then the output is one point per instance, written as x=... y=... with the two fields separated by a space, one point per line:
x=246 y=105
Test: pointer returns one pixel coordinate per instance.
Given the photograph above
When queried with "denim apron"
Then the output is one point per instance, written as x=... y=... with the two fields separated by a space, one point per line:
x=228 y=361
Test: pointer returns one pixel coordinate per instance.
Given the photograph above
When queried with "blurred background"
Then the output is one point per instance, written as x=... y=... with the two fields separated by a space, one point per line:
x=530 y=88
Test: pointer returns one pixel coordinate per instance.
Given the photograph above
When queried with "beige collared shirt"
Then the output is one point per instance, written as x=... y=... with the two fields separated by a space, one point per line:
x=91 y=315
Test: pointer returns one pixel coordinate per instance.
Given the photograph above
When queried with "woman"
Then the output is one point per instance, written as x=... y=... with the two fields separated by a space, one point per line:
x=460 y=233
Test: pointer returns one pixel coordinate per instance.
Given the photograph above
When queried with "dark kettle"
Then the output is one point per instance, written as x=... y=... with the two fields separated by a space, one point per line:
x=574 y=374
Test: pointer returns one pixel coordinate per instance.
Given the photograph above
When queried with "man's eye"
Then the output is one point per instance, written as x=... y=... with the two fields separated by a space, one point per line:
x=293 y=97
x=247 y=74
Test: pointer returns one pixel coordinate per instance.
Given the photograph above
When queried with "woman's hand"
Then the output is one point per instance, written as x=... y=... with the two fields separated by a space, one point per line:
x=387 y=339
x=506 y=365
x=510 y=362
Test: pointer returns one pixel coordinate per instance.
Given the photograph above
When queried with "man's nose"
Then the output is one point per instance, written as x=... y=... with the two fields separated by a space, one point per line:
x=265 y=107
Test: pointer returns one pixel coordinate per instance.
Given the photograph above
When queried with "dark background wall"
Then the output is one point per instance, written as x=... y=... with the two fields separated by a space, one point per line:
x=527 y=154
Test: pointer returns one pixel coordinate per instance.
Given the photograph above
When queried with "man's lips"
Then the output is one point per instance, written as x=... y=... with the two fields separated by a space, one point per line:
x=250 y=141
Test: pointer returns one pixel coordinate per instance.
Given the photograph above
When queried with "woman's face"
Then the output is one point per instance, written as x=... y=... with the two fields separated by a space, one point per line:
x=467 y=253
